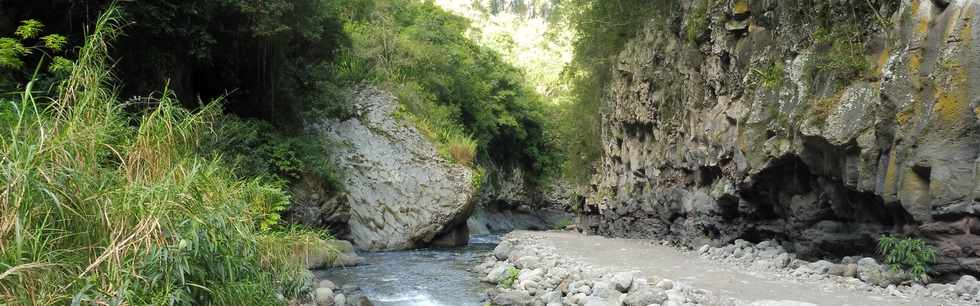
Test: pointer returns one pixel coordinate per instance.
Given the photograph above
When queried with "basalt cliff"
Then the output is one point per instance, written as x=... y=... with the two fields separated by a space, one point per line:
x=821 y=124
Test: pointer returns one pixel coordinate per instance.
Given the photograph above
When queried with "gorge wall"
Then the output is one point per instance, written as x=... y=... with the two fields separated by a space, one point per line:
x=822 y=124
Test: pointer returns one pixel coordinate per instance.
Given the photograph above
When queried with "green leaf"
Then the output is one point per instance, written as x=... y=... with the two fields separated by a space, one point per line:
x=29 y=29
x=11 y=51
x=54 y=42
x=60 y=65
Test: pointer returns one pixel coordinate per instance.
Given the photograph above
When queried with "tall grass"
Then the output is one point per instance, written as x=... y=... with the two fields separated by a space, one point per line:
x=96 y=211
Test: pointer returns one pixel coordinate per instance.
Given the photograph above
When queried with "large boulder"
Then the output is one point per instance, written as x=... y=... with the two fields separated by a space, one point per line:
x=401 y=193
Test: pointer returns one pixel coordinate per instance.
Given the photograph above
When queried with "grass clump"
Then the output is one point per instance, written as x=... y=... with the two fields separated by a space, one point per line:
x=910 y=254
x=100 y=208
x=844 y=54
x=698 y=20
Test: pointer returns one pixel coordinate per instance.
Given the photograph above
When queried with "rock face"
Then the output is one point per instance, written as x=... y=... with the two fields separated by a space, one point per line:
x=506 y=202
x=820 y=124
x=400 y=193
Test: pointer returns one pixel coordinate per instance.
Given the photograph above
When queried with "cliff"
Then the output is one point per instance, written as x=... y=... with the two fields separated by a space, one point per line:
x=823 y=124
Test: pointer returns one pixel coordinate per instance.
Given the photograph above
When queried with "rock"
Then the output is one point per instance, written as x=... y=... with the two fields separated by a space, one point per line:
x=850 y=270
x=645 y=296
x=503 y=249
x=347 y=260
x=580 y=286
x=704 y=249
x=511 y=298
x=754 y=157
x=780 y=303
x=604 y=289
x=498 y=273
x=363 y=301
x=326 y=283
x=837 y=269
x=340 y=299
x=391 y=167
x=455 y=237
x=869 y=271
x=781 y=261
x=596 y=301
x=551 y=297
x=967 y=284
x=820 y=267
x=324 y=296
x=665 y=284
x=527 y=262
x=940 y=289
x=622 y=281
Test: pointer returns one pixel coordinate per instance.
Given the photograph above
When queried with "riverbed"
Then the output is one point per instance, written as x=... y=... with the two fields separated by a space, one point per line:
x=437 y=276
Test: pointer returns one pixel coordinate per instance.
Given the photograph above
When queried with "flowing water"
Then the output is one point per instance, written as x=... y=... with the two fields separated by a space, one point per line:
x=420 y=277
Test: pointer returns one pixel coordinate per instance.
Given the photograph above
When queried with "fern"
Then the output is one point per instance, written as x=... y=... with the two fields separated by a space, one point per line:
x=911 y=254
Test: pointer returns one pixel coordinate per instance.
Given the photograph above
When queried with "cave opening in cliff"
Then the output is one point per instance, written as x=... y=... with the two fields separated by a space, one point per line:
x=815 y=216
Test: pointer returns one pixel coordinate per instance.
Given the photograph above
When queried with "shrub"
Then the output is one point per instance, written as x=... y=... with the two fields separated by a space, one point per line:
x=910 y=254
x=99 y=211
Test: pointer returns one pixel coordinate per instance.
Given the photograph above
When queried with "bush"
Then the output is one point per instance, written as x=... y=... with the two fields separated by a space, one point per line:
x=98 y=211
x=911 y=254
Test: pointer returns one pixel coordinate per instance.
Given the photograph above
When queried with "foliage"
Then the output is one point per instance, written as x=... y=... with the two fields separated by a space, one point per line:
x=772 y=76
x=602 y=29
x=910 y=254
x=27 y=40
x=840 y=51
x=697 y=20
x=272 y=59
x=561 y=225
x=508 y=281
x=101 y=209
x=259 y=150
x=463 y=96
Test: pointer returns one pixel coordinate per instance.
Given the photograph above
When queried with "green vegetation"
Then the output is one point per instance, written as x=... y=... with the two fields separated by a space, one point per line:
x=844 y=57
x=772 y=76
x=100 y=207
x=697 y=21
x=561 y=225
x=911 y=254
x=463 y=96
x=602 y=29
x=512 y=274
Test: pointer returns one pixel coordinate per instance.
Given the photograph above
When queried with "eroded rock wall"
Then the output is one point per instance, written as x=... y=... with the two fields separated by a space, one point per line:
x=773 y=125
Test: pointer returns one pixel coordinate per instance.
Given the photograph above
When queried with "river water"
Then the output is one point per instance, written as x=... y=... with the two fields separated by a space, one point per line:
x=421 y=277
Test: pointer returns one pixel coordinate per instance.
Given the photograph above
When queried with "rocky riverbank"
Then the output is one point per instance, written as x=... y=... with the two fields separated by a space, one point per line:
x=552 y=268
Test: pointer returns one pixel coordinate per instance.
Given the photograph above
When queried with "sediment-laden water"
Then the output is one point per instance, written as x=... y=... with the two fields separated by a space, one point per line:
x=419 y=277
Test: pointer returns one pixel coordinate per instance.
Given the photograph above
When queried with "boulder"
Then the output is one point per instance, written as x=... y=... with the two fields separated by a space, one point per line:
x=967 y=284
x=326 y=283
x=505 y=297
x=645 y=296
x=499 y=272
x=622 y=281
x=401 y=193
x=324 y=296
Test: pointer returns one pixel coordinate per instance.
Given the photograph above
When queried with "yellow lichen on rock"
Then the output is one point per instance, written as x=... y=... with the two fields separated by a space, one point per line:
x=952 y=103
x=741 y=7
x=890 y=173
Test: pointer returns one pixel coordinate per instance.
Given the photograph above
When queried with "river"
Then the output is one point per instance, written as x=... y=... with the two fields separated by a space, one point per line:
x=423 y=277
